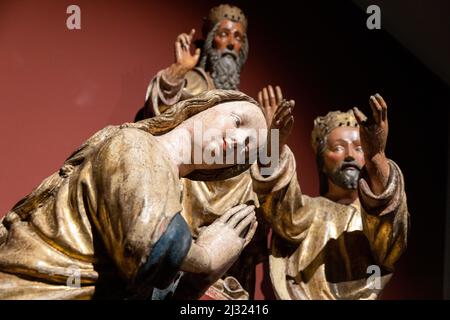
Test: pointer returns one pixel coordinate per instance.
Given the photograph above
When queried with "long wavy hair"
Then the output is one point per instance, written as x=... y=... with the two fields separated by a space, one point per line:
x=158 y=125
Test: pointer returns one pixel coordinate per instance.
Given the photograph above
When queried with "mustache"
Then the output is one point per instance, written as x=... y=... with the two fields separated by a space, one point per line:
x=350 y=164
x=227 y=51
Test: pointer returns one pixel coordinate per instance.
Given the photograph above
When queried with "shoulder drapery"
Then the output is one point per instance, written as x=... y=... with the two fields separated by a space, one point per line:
x=102 y=220
x=161 y=93
x=314 y=235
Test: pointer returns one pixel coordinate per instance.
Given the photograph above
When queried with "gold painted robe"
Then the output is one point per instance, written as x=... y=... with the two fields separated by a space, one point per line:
x=99 y=221
x=325 y=250
x=332 y=245
x=205 y=201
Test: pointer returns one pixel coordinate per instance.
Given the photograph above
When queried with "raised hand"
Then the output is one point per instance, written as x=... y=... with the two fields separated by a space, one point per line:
x=278 y=112
x=373 y=131
x=183 y=57
x=269 y=101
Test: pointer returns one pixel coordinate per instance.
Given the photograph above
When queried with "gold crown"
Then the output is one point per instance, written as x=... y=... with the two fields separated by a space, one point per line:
x=221 y=12
x=324 y=125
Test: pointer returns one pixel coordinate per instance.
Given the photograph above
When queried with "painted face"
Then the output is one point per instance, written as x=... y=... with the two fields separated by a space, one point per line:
x=229 y=35
x=343 y=157
x=230 y=131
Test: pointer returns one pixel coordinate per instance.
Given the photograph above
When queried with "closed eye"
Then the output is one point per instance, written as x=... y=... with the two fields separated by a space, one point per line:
x=237 y=119
x=337 y=148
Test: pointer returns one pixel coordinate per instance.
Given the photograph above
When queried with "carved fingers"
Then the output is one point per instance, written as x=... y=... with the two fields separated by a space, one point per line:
x=374 y=128
x=283 y=115
x=185 y=39
x=226 y=237
x=230 y=212
x=379 y=112
x=265 y=95
x=234 y=222
x=240 y=216
x=183 y=50
x=379 y=108
x=279 y=94
x=359 y=115
x=270 y=100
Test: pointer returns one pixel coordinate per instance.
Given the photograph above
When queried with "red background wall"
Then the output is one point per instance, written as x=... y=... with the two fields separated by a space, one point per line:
x=58 y=87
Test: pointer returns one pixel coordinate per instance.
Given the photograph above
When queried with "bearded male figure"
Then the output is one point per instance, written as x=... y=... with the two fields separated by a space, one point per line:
x=217 y=66
x=345 y=243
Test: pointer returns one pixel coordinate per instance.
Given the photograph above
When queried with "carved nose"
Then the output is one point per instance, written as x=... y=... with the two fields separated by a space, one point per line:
x=230 y=46
x=349 y=158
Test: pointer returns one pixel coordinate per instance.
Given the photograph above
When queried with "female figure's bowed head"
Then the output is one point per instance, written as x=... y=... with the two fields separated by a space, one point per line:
x=108 y=224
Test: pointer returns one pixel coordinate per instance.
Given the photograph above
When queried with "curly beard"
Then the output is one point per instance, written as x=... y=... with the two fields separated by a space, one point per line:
x=224 y=66
x=346 y=176
x=225 y=69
